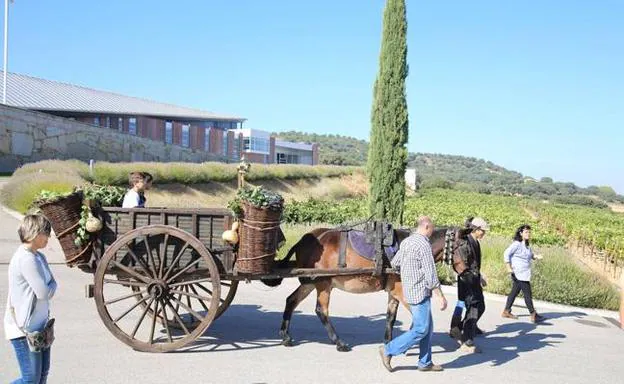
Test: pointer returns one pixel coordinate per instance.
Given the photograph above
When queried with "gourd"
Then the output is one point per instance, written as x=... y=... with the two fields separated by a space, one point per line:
x=93 y=224
x=231 y=235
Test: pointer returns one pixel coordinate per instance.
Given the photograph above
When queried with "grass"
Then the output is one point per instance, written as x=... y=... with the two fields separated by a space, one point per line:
x=20 y=191
x=207 y=184
x=192 y=173
x=557 y=278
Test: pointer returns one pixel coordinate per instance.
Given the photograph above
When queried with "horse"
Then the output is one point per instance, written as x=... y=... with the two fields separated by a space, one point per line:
x=319 y=248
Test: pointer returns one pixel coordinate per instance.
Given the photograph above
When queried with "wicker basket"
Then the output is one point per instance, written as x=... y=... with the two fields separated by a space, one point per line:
x=259 y=237
x=64 y=215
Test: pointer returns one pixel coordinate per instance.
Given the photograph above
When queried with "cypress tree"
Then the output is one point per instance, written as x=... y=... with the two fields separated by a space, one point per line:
x=387 y=155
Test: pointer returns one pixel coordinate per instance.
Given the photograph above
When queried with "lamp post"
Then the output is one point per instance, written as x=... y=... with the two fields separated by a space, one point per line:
x=6 y=49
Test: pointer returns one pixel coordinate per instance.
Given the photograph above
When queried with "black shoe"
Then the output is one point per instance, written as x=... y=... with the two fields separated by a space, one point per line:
x=455 y=333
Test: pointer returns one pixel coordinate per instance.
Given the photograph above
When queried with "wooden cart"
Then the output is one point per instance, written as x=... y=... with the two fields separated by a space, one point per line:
x=162 y=276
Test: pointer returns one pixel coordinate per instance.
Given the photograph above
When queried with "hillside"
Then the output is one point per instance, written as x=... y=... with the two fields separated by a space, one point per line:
x=460 y=172
x=333 y=149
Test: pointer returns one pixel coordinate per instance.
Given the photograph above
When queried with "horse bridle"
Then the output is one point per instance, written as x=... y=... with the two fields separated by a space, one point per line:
x=449 y=245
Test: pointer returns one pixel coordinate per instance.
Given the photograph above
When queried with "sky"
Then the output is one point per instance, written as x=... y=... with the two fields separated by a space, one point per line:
x=534 y=86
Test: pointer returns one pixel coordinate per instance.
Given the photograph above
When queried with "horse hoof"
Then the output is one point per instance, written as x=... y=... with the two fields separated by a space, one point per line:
x=288 y=342
x=343 y=347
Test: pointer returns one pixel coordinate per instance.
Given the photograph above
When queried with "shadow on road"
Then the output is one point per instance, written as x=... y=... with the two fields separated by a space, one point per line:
x=508 y=341
x=245 y=327
x=502 y=344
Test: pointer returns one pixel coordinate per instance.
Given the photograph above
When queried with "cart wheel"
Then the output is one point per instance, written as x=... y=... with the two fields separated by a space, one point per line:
x=171 y=274
x=228 y=291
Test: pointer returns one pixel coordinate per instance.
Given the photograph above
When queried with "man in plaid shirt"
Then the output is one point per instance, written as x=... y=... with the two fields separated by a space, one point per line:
x=419 y=278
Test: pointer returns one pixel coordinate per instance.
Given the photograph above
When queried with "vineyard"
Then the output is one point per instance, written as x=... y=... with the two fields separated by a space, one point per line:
x=599 y=232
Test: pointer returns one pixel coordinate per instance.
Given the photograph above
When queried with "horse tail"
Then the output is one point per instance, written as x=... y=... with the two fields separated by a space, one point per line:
x=283 y=263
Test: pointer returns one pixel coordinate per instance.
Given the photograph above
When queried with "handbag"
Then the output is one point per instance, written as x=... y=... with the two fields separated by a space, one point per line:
x=38 y=340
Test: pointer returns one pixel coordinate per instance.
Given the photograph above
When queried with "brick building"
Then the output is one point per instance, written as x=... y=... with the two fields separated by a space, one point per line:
x=217 y=134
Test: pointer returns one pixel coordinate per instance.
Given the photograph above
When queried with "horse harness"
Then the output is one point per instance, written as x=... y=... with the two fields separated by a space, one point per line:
x=378 y=233
x=449 y=245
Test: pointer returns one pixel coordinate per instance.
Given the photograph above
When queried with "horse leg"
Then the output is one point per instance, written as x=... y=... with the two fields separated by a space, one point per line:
x=391 y=313
x=395 y=296
x=323 y=291
x=291 y=303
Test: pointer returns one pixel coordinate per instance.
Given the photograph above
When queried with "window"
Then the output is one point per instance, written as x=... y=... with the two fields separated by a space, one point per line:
x=168 y=132
x=292 y=159
x=120 y=124
x=284 y=158
x=224 y=144
x=96 y=121
x=256 y=144
x=107 y=122
x=186 y=135
x=236 y=151
x=132 y=126
x=207 y=140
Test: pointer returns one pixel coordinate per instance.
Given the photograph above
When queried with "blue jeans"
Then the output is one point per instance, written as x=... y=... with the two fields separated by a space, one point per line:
x=420 y=333
x=34 y=366
x=459 y=308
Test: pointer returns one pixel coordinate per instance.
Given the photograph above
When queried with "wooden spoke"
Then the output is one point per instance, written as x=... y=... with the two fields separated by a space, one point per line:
x=188 y=298
x=137 y=259
x=131 y=272
x=138 y=323
x=126 y=283
x=189 y=266
x=130 y=309
x=186 y=282
x=150 y=257
x=204 y=289
x=177 y=258
x=193 y=295
x=189 y=310
x=166 y=322
x=163 y=255
x=151 y=338
x=124 y=297
x=177 y=317
x=201 y=300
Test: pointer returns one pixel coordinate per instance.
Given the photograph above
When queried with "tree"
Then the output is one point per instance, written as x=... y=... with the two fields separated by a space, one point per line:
x=387 y=157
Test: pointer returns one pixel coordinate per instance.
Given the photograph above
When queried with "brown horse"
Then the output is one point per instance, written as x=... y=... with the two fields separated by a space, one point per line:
x=320 y=249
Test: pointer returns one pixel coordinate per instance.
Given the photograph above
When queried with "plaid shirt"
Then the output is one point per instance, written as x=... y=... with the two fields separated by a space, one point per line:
x=415 y=262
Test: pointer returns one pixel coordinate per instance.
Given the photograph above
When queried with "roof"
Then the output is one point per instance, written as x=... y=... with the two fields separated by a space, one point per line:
x=46 y=95
x=292 y=145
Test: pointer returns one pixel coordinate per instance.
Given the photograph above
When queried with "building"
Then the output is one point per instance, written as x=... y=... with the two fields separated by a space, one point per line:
x=216 y=134
x=287 y=152
x=175 y=125
x=262 y=147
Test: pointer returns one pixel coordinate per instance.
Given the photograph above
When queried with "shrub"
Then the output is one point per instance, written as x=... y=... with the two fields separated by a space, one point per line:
x=192 y=173
x=556 y=278
x=58 y=167
x=20 y=191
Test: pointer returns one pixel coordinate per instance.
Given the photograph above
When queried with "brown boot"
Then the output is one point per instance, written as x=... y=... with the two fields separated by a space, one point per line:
x=509 y=315
x=537 y=318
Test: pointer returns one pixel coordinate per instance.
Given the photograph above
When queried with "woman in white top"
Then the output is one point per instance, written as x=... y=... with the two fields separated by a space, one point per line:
x=518 y=258
x=31 y=286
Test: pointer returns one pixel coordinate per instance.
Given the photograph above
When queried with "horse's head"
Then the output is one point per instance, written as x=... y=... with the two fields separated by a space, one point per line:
x=443 y=242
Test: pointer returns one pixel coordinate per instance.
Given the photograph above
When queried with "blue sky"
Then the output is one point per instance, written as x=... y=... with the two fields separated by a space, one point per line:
x=535 y=86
